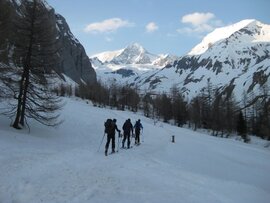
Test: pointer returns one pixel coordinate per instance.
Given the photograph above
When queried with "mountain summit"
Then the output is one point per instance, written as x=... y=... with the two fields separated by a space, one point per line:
x=250 y=29
x=132 y=54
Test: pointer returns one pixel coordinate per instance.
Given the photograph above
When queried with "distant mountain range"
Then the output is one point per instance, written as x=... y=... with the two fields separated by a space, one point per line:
x=125 y=64
x=236 y=57
x=133 y=54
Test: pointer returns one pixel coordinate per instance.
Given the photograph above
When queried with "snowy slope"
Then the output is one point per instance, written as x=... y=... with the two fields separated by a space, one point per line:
x=63 y=165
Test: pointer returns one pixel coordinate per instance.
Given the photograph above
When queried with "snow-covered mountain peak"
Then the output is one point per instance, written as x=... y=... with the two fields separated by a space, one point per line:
x=135 y=47
x=132 y=54
x=127 y=55
x=234 y=58
x=220 y=34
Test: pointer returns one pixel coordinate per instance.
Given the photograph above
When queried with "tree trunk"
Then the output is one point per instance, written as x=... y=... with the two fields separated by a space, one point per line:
x=24 y=96
x=19 y=106
x=27 y=65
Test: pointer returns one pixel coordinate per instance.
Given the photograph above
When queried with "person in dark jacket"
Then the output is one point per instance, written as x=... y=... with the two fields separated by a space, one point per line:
x=127 y=128
x=138 y=126
x=111 y=136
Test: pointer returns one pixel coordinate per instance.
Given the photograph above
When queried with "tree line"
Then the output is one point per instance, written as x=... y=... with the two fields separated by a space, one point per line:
x=214 y=109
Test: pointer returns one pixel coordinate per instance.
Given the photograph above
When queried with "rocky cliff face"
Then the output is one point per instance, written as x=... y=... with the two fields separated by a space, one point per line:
x=74 y=61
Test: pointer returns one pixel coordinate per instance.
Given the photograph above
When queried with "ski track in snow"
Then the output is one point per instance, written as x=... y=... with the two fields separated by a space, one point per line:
x=63 y=165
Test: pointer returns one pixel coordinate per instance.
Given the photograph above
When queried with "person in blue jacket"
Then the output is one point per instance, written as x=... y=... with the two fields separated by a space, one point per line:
x=138 y=126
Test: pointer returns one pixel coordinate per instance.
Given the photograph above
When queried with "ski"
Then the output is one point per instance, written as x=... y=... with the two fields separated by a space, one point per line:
x=109 y=153
x=126 y=147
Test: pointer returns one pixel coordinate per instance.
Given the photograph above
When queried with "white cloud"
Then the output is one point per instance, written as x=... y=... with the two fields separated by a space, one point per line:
x=197 y=19
x=108 y=25
x=199 y=23
x=151 y=27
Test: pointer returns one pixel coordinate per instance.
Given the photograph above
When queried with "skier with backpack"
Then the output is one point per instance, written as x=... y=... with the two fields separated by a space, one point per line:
x=110 y=128
x=127 y=128
x=138 y=126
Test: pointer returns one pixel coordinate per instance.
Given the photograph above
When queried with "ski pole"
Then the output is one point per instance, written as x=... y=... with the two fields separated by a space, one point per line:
x=132 y=136
x=118 y=141
x=101 y=142
x=142 y=136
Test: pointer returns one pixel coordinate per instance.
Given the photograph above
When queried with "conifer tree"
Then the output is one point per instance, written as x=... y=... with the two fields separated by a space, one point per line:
x=35 y=56
x=242 y=127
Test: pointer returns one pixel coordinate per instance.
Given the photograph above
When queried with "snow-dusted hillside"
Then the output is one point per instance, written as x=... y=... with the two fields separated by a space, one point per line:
x=121 y=74
x=238 y=58
x=63 y=165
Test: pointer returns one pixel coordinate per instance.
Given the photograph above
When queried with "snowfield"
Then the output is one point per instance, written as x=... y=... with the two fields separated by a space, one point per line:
x=63 y=165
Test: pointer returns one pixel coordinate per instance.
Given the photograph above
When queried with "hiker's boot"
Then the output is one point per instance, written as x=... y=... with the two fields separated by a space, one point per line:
x=106 y=152
x=113 y=151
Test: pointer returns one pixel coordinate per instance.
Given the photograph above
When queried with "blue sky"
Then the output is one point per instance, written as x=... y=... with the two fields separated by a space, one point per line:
x=161 y=26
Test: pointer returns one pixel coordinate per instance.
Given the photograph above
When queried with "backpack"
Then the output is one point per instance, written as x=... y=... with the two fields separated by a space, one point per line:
x=108 y=125
x=137 y=126
x=127 y=127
